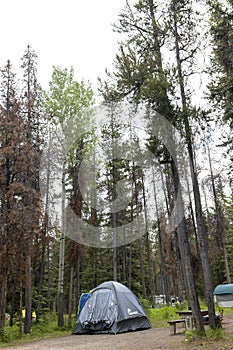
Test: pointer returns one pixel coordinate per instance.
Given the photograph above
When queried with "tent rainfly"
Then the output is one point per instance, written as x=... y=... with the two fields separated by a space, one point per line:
x=111 y=308
x=224 y=294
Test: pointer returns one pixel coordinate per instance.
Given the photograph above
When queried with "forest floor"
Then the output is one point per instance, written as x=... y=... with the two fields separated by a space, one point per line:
x=152 y=339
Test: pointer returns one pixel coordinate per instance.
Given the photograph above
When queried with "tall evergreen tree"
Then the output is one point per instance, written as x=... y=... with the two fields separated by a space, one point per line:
x=183 y=31
x=141 y=75
x=65 y=103
x=221 y=71
x=10 y=133
x=31 y=112
x=20 y=201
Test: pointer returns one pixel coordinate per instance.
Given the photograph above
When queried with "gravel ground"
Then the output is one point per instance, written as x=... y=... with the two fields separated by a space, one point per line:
x=152 y=339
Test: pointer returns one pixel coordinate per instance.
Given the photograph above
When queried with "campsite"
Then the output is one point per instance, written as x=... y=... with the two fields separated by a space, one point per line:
x=158 y=338
x=110 y=317
x=116 y=192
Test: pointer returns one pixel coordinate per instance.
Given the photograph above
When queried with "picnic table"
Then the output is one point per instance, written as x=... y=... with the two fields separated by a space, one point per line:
x=187 y=315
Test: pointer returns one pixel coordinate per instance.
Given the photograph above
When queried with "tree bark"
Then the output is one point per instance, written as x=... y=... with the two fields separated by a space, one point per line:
x=148 y=248
x=20 y=309
x=197 y=198
x=60 y=310
x=28 y=294
x=70 y=306
x=3 y=291
x=142 y=269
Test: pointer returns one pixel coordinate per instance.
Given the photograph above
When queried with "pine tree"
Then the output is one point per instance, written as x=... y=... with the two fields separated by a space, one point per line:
x=221 y=70
x=140 y=75
x=65 y=103
x=183 y=29
x=10 y=137
x=31 y=112
x=20 y=201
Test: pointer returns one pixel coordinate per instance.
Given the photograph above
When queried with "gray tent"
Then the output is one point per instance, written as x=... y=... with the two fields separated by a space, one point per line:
x=111 y=308
x=224 y=294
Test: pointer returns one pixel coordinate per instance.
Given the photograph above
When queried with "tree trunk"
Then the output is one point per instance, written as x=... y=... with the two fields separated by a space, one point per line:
x=13 y=304
x=20 y=309
x=115 y=257
x=28 y=294
x=197 y=198
x=49 y=278
x=42 y=268
x=60 y=310
x=163 y=273
x=3 y=291
x=70 y=306
x=129 y=276
x=185 y=255
x=78 y=282
x=192 y=212
x=124 y=263
x=148 y=247
x=142 y=269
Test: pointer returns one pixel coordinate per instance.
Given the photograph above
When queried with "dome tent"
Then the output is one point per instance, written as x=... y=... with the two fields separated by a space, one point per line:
x=224 y=294
x=111 y=308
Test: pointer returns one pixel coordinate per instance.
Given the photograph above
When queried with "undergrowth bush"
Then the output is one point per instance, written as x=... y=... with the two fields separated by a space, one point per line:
x=211 y=334
x=158 y=317
x=215 y=334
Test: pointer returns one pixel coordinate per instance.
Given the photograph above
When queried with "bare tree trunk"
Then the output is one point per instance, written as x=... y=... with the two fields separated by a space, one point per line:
x=13 y=304
x=124 y=263
x=228 y=275
x=60 y=310
x=28 y=294
x=163 y=273
x=78 y=281
x=192 y=212
x=148 y=247
x=142 y=269
x=115 y=250
x=46 y=227
x=3 y=292
x=70 y=306
x=42 y=268
x=21 y=309
x=129 y=276
x=49 y=278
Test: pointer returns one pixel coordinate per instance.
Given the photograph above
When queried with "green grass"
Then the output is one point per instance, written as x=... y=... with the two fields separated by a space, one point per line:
x=158 y=317
x=44 y=329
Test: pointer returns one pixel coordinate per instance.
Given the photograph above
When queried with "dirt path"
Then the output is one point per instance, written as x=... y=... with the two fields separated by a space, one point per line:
x=144 y=340
x=152 y=339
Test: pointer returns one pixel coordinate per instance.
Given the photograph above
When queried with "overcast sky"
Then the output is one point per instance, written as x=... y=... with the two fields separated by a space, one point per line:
x=67 y=33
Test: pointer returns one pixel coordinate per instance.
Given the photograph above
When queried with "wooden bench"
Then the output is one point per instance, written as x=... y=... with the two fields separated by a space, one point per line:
x=173 y=324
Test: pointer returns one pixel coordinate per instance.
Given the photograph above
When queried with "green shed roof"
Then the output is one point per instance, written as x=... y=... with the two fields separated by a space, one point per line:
x=224 y=289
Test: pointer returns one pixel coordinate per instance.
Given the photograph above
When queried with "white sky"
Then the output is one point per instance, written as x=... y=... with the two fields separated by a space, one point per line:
x=66 y=33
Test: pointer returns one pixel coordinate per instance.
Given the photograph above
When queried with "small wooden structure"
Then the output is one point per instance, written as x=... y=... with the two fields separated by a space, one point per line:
x=188 y=322
x=173 y=323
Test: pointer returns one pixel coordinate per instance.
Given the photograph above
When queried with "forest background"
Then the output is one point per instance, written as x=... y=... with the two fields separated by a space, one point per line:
x=164 y=50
